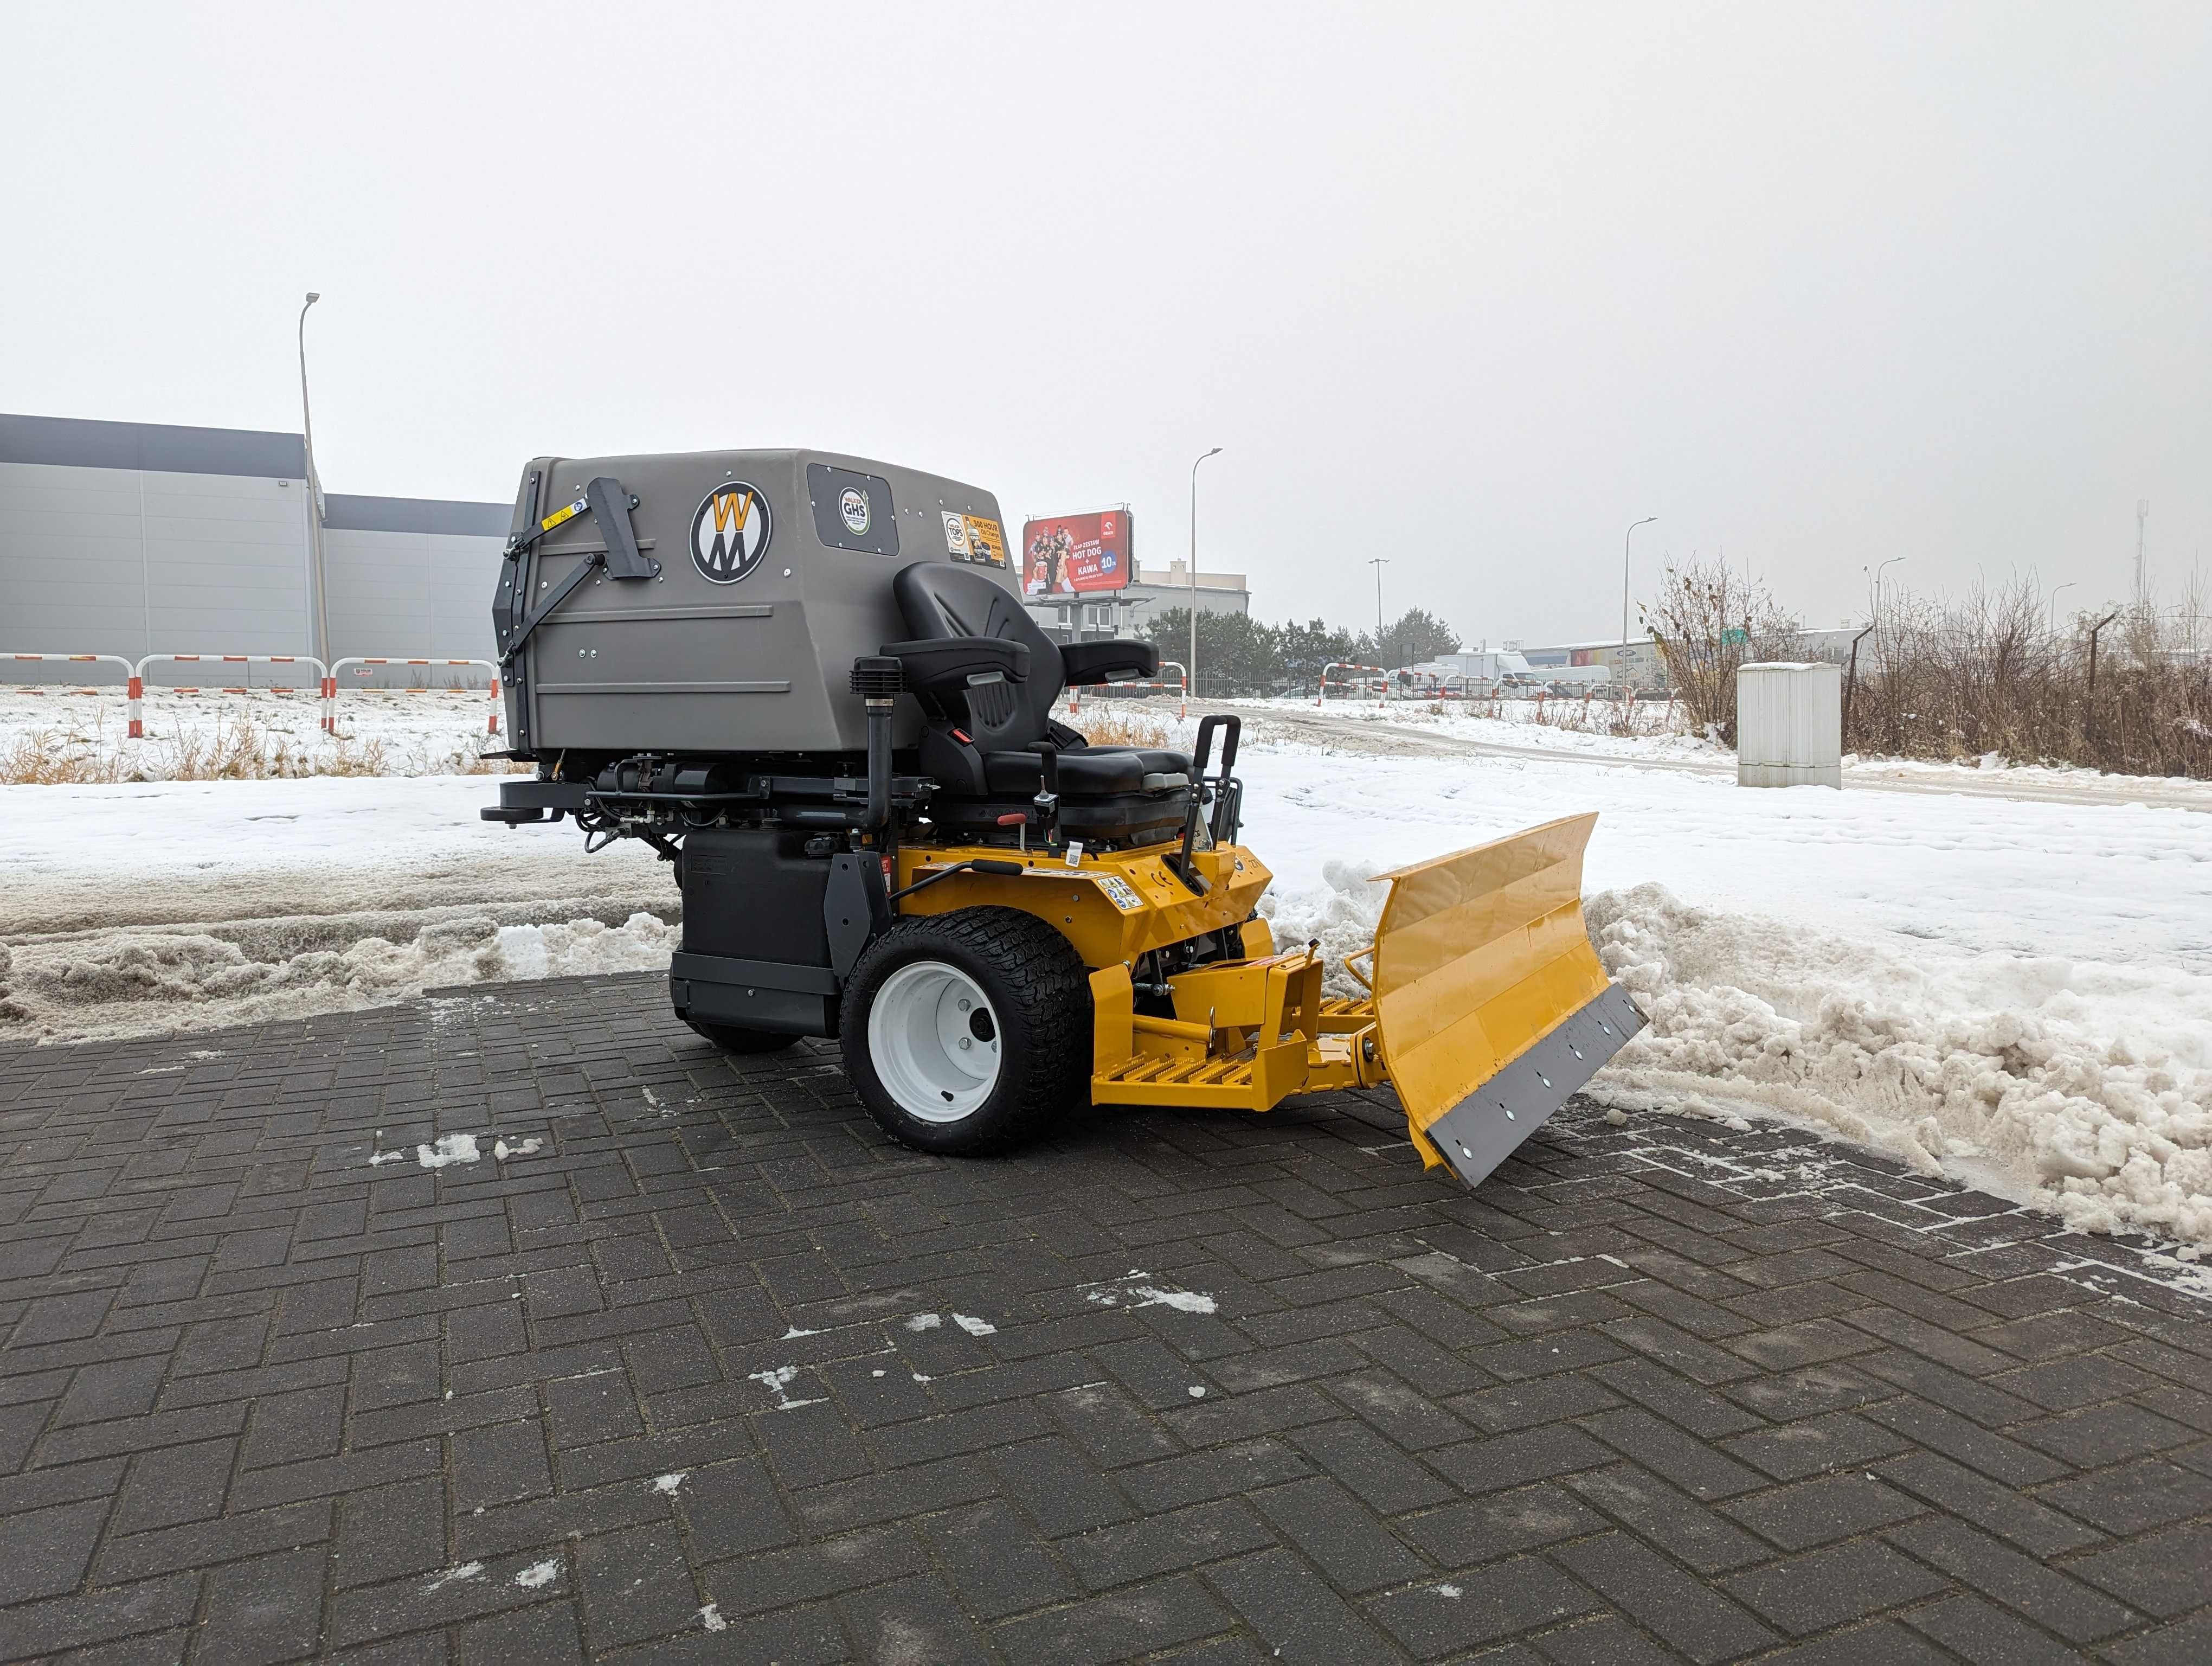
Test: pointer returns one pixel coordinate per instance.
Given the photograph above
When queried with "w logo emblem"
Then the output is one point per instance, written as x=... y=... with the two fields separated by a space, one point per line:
x=730 y=532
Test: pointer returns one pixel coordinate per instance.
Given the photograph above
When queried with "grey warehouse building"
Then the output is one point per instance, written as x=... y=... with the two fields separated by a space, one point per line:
x=139 y=538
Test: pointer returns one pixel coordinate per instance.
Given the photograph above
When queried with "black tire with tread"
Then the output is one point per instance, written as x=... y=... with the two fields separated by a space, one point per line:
x=731 y=1039
x=1038 y=987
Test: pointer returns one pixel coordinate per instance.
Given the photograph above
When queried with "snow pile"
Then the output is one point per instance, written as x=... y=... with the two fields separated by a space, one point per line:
x=446 y=1149
x=2083 y=1087
x=1341 y=914
x=130 y=981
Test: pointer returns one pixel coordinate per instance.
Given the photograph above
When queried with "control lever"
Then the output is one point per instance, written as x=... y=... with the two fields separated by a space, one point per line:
x=1046 y=801
x=1228 y=794
x=1200 y=755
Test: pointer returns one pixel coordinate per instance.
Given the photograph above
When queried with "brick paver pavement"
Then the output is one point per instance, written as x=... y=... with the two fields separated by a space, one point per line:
x=701 y=1367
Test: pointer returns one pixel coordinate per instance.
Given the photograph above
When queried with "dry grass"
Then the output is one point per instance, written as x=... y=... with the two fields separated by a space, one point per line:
x=1103 y=728
x=231 y=748
x=44 y=759
x=1653 y=715
x=1992 y=671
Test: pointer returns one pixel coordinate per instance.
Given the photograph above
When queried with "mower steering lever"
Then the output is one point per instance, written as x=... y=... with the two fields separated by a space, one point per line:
x=1220 y=834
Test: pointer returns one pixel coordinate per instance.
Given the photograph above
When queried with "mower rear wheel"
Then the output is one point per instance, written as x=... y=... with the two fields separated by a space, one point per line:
x=731 y=1039
x=962 y=1030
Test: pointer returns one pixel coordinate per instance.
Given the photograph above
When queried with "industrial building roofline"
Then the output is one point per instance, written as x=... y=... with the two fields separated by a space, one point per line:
x=76 y=442
x=82 y=443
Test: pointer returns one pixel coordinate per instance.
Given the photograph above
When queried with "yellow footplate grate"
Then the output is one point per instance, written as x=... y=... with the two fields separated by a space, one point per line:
x=1170 y=1081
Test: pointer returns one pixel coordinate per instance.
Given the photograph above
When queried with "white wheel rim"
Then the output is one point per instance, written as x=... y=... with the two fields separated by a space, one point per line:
x=934 y=1041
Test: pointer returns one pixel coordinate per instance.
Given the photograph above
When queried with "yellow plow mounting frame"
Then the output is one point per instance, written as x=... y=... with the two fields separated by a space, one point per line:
x=1488 y=1006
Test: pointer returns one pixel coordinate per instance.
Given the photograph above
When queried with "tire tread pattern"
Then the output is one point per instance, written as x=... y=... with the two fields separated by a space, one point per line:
x=1047 y=979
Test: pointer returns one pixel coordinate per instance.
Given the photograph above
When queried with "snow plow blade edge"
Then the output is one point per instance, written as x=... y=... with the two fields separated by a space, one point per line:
x=1491 y=1006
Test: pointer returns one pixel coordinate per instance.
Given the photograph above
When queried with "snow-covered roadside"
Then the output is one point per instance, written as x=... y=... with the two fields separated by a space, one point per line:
x=2017 y=994
x=190 y=905
x=1659 y=730
x=386 y=732
x=1406 y=728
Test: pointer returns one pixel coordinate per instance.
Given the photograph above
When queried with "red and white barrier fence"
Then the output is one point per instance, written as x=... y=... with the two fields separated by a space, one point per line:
x=138 y=679
x=1180 y=686
x=331 y=685
x=325 y=688
x=1329 y=681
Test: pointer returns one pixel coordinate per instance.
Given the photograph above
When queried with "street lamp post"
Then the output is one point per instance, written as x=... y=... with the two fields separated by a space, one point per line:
x=1878 y=571
x=2068 y=585
x=1192 y=671
x=1625 y=538
x=314 y=497
x=1378 y=563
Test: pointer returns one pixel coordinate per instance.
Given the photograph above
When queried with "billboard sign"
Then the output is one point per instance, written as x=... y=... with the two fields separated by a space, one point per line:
x=1076 y=555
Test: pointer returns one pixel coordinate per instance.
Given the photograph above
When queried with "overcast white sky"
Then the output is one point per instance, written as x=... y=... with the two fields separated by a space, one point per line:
x=1468 y=287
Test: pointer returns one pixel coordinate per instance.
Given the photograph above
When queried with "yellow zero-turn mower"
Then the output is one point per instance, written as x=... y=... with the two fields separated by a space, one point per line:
x=811 y=684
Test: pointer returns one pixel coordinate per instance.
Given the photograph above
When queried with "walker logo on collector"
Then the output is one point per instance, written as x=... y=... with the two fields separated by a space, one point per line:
x=730 y=533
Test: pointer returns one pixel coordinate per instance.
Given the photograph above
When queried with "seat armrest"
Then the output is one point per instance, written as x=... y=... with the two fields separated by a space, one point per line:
x=945 y=665
x=1108 y=662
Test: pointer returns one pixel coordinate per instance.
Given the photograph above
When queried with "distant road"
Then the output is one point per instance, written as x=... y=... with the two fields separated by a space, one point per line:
x=1412 y=739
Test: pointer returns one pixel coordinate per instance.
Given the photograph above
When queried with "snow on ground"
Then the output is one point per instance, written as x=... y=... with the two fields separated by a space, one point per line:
x=1657 y=728
x=380 y=731
x=2015 y=991
x=189 y=905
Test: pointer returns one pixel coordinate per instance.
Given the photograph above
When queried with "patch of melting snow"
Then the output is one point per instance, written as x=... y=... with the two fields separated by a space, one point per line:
x=777 y=1381
x=448 y=1149
x=1198 y=1391
x=378 y=1159
x=974 y=1327
x=454 y=1576
x=539 y=1573
x=669 y=1483
x=925 y=1321
x=711 y=1617
x=795 y=1333
x=1122 y=1292
x=529 y=1147
x=1451 y=1591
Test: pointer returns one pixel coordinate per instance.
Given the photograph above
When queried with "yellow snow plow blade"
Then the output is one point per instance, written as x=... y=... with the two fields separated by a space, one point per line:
x=1491 y=1007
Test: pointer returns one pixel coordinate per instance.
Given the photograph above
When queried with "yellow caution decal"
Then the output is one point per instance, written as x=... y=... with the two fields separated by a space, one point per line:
x=561 y=515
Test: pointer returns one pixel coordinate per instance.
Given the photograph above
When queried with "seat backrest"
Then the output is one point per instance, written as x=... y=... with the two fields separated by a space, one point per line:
x=938 y=600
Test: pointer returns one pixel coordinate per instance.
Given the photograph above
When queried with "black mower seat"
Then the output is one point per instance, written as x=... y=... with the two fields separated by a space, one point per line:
x=1082 y=774
x=988 y=732
x=1089 y=773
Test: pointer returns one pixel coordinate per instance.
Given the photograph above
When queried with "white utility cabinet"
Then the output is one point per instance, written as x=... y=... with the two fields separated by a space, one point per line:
x=1790 y=725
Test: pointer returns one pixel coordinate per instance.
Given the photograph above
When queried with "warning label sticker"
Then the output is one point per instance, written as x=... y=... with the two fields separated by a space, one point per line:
x=956 y=535
x=1123 y=894
x=986 y=541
